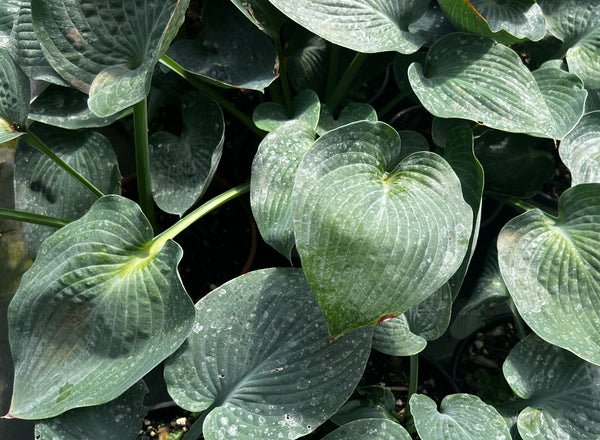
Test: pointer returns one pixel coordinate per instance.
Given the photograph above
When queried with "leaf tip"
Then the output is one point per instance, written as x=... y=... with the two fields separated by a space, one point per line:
x=386 y=318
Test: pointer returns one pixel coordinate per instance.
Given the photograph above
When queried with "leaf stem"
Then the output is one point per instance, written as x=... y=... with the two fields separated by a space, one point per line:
x=332 y=74
x=142 y=162
x=33 y=140
x=518 y=320
x=29 y=217
x=196 y=429
x=159 y=241
x=413 y=382
x=514 y=202
x=283 y=78
x=340 y=91
x=230 y=108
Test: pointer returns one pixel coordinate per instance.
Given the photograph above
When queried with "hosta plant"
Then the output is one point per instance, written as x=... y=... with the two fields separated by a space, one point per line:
x=398 y=148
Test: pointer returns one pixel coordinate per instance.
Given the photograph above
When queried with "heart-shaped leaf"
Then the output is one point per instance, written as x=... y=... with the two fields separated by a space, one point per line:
x=408 y=334
x=561 y=390
x=42 y=187
x=363 y=25
x=107 y=51
x=580 y=150
x=577 y=25
x=461 y=416
x=372 y=429
x=260 y=362
x=17 y=36
x=103 y=301
x=551 y=267
x=515 y=155
x=14 y=98
x=270 y=115
x=489 y=290
x=118 y=419
x=506 y=22
x=370 y=402
x=470 y=77
x=66 y=107
x=353 y=112
x=272 y=180
x=306 y=57
x=231 y=52
x=183 y=166
x=376 y=235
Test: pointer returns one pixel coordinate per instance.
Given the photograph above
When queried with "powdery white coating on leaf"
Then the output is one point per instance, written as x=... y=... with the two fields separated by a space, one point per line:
x=551 y=268
x=376 y=235
x=260 y=357
x=564 y=387
x=372 y=429
x=580 y=150
x=366 y=26
x=521 y=18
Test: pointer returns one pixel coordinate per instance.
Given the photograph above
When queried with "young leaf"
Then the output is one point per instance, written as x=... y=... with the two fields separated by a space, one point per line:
x=461 y=416
x=552 y=270
x=580 y=150
x=562 y=391
x=376 y=235
x=260 y=362
x=370 y=402
x=232 y=51
x=506 y=22
x=273 y=172
x=353 y=112
x=42 y=187
x=363 y=26
x=14 y=98
x=183 y=166
x=471 y=77
x=372 y=429
x=97 y=310
x=270 y=115
x=108 y=51
x=118 y=419
x=577 y=25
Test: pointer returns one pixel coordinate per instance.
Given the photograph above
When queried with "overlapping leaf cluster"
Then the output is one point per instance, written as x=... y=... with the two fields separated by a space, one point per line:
x=382 y=223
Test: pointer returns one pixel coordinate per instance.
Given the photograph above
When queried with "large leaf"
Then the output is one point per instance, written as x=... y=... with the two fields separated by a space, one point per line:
x=108 y=51
x=361 y=25
x=260 y=362
x=262 y=14
x=551 y=267
x=98 y=309
x=506 y=22
x=272 y=180
x=8 y=12
x=42 y=187
x=471 y=77
x=515 y=155
x=461 y=416
x=183 y=166
x=119 y=419
x=66 y=107
x=270 y=115
x=14 y=98
x=353 y=112
x=577 y=25
x=231 y=52
x=376 y=235
x=562 y=392
x=580 y=150
x=370 y=402
x=372 y=429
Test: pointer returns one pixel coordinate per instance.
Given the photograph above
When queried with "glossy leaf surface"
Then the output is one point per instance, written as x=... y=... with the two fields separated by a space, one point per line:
x=260 y=361
x=506 y=21
x=360 y=25
x=231 y=52
x=552 y=270
x=118 y=419
x=272 y=180
x=577 y=25
x=104 y=303
x=580 y=150
x=562 y=391
x=376 y=235
x=14 y=98
x=107 y=50
x=471 y=77
x=374 y=429
x=460 y=416
x=42 y=187
x=183 y=166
